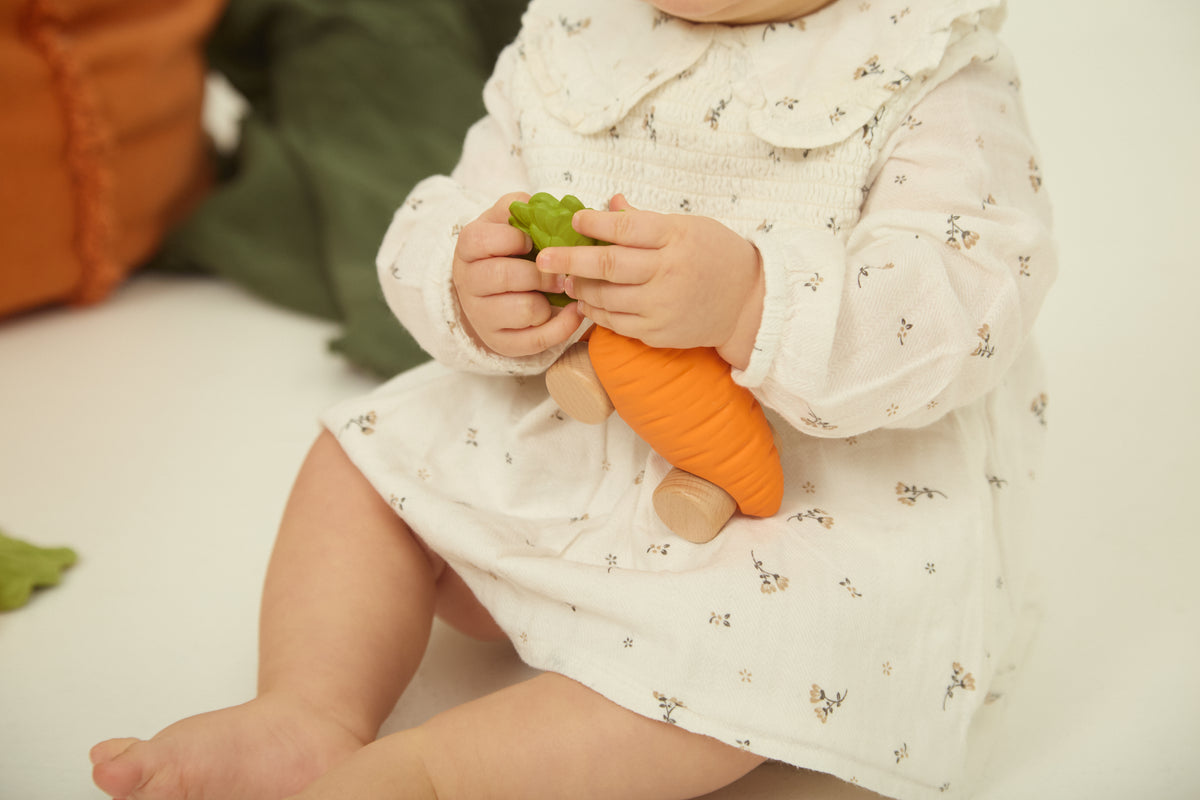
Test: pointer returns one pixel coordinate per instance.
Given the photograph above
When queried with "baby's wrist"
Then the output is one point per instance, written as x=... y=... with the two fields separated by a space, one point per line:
x=739 y=347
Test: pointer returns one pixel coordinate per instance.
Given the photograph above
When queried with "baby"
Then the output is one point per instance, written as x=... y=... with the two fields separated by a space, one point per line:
x=843 y=200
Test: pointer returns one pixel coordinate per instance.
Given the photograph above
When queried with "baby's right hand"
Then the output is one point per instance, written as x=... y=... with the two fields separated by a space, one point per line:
x=500 y=293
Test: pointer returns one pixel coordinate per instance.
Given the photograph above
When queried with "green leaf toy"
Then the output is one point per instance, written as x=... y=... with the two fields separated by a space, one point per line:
x=24 y=567
x=547 y=221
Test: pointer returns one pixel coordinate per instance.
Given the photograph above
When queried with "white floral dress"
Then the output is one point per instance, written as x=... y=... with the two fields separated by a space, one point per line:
x=876 y=154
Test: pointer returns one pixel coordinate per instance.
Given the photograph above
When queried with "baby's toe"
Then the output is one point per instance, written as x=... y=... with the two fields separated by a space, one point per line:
x=117 y=770
x=109 y=749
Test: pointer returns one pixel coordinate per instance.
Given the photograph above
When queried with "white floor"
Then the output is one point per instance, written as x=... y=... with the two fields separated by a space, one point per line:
x=158 y=435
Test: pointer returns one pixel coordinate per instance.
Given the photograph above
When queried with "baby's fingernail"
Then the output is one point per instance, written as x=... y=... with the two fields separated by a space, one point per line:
x=558 y=284
x=568 y=285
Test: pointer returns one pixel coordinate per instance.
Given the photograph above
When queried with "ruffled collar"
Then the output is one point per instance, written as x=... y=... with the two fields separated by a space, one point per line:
x=807 y=83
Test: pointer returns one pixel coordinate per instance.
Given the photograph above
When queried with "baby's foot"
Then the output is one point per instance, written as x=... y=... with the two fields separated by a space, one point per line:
x=266 y=749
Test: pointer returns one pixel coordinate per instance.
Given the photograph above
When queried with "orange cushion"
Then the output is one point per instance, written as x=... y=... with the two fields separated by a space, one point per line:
x=101 y=147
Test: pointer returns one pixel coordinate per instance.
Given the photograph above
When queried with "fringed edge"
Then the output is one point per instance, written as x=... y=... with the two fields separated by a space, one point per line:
x=88 y=155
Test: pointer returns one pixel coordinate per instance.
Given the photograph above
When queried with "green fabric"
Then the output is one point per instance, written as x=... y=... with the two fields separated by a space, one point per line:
x=25 y=567
x=353 y=102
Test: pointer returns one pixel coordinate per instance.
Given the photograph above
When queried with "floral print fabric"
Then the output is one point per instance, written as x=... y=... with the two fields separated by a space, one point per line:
x=861 y=630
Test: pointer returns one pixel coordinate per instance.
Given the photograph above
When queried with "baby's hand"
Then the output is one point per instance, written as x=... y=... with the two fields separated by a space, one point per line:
x=671 y=280
x=500 y=293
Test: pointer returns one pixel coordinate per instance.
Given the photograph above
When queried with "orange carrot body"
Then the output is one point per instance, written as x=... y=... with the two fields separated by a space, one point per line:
x=685 y=405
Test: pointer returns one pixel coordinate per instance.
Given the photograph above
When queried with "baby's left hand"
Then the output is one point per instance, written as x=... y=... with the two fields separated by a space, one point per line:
x=670 y=280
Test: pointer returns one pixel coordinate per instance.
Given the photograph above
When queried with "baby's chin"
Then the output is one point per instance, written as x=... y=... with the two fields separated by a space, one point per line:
x=738 y=12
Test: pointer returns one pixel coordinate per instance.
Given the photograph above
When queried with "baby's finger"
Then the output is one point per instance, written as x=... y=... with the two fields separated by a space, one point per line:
x=495 y=276
x=613 y=297
x=611 y=263
x=499 y=211
x=481 y=240
x=629 y=227
x=532 y=340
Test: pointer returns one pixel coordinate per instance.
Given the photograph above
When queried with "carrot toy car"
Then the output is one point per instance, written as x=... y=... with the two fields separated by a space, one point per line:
x=684 y=403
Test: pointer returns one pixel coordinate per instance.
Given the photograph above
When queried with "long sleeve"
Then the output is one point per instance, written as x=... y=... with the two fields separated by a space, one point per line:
x=414 y=260
x=922 y=306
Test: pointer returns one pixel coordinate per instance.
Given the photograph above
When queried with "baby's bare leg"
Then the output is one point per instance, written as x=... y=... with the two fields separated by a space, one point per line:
x=549 y=737
x=346 y=615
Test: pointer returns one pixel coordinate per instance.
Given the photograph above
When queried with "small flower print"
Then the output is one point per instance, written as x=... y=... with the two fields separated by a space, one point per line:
x=580 y=518
x=685 y=205
x=771 y=27
x=743 y=744
x=364 y=422
x=850 y=588
x=814 y=282
x=930 y=567
x=765 y=226
x=641 y=476
x=713 y=117
x=985 y=348
x=825 y=704
x=865 y=271
x=396 y=502
x=659 y=549
x=979 y=141
x=899 y=83
x=911 y=122
x=771 y=582
x=611 y=561
x=809 y=487
x=892 y=410
x=423 y=474
x=836 y=115
x=508 y=458
x=627 y=643
x=648 y=125
x=661 y=18
x=524 y=637
x=959 y=679
x=746 y=676
x=901 y=753
x=905 y=327
x=833 y=226
x=720 y=620
x=606 y=465
x=576 y=27
x=1024 y=262
x=669 y=706
x=870 y=68
x=997 y=482
x=1035 y=175
x=813 y=421
x=959 y=237
x=1038 y=407
x=897 y=17
x=900 y=180
x=821 y=517
x=887 y=668
x=787 y=102
x=945 y=787
x=471 y=434
x=910 y=494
